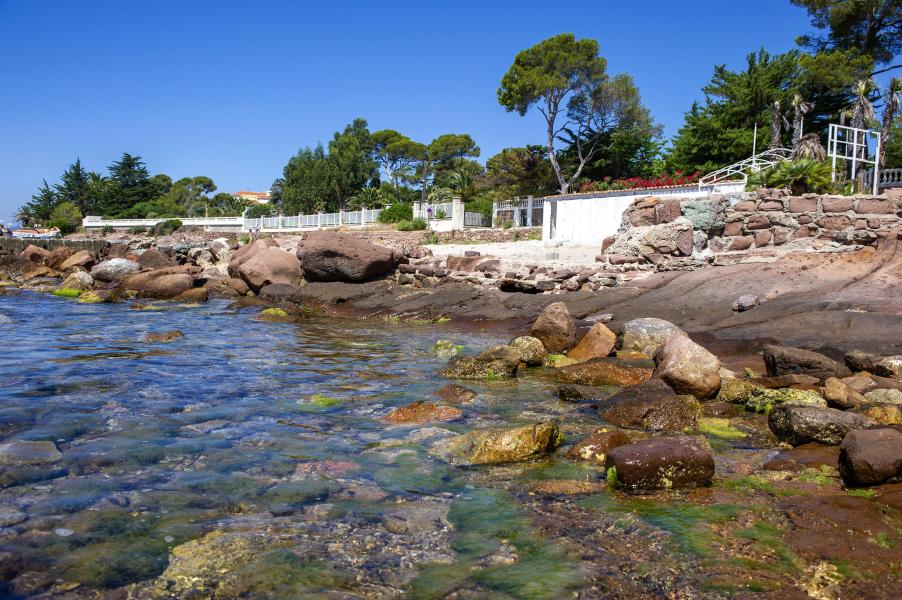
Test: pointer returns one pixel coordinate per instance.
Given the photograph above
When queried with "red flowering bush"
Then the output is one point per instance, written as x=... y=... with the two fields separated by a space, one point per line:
x=638 y=183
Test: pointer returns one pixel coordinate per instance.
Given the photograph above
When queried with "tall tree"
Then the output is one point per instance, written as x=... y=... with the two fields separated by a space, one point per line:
x=397 y=155
x=547 y=75
x=518 y=172
x=351 y=162
x=40 y=207
x=130 y=184
x=75 y=187
x=872 y=27
x=308 y=185
x=891 y=108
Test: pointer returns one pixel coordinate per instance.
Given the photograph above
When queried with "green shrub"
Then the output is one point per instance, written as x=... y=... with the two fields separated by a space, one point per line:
x=417 y=224
x=799 y=176
x=260 y=210
x=138 y=230
x=66 y=217
x=166 y=227
x=440 y=214
x=396 y=213
x=106 y=229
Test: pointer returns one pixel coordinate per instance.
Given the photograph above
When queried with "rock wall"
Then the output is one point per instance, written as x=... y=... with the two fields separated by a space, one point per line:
x=682 y=232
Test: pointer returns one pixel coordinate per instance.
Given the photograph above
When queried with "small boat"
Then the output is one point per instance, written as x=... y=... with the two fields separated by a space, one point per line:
x=38 y=234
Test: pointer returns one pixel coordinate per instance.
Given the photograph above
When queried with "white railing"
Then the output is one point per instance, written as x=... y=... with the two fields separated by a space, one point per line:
x=475 y=219
x=438 y=211
x=366 y=216
x=737 y=171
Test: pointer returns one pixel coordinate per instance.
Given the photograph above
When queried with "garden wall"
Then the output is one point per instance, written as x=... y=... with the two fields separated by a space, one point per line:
x=687 y=230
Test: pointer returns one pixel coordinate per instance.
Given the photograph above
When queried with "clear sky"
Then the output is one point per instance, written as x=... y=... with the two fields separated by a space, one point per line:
x=232 y=89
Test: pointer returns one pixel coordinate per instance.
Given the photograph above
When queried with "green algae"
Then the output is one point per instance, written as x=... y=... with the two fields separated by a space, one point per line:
x=67 y=292
x=720 y=428
x=280 y=573
x=862 y=492
x=749 y=483
x=446 y=349
x=767 y=540
x=823 y=476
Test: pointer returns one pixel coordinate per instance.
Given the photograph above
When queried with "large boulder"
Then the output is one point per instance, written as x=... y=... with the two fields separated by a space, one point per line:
x=607 y=371
x=34 y=254
x=265 y=266
x=687 y=367
x=647 y=335
x=532 y=352
x=498 y=446
x=162 y=283
x=58 y=256
x=78 y=281
x=597 y=343
x=782 y=360
x=799 y=425
x=870 y=456
x=154 y=259
x=114 y=269
x=494 y=363
x=661 y=463
x=651 y=406
x=82 y=258
x=335 y=257
x=554 y=327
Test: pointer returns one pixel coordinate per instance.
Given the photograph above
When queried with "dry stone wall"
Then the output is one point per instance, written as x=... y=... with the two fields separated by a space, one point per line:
x=682 y=232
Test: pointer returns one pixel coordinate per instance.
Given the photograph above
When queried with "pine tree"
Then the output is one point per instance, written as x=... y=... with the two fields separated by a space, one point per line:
x=39 y=208
x=129 y=185
x=75 y=187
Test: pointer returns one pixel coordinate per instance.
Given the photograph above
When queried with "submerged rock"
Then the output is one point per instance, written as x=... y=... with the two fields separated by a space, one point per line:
x=494 y=363
x=497 y=446
x=687 y=367
x=24 y=452
x=554 y=327
x=647 y=335
x=661 y=463
x=607 y=371
x=598 y=342
x=101 y=296
x=455 y=394
x=871 y=456
x=446 y=349
x=651 y=406
x=166 y=336
x=420 y=412
x=532 y=352
x=782 y=360
x=802 y=424
x=595 y=447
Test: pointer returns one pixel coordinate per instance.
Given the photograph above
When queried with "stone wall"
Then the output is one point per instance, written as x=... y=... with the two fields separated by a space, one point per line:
x=682 y=232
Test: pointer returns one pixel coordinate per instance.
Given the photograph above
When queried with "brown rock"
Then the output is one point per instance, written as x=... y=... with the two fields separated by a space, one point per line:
x=734 y=228
x=58 y=256
x=834 y=222
x=327 y=256
x=607 y=242
x=455 y=394
x=197 y=295
x=34 y=254
x=651 y=406
x=420 y=412
x=874 y=206
x=837 y=204
x=595 y=447
x=784 y=381
x=499 y=446
x=885 y=414
x=661 y=463
x=642 y=216
x=762 y=238
x=154 y=259
x=167 y=336
x=743 y=242
x=771 y=205
x=667 y=211
x=800 y=205
x=805 y=220
x=840 y=395
x=781 y=235
x=238 y=285
x=756 y=222
x=607 y=371
x=162 y=283
x=747 y=207
x=598 y=342
x=554 y=328
x=267 y=266
x=782 y=360
x=82 y=258
x=687 y=367
x=870 y=457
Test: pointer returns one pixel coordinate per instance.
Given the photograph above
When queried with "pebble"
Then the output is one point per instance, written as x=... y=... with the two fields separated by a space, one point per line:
x=10 y=516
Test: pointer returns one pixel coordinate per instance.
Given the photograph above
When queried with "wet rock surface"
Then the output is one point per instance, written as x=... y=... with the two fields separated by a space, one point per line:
x=497 y=446
x=803 y=424
x=781 y=360
x=661 y=463
x=607 y=371
x=871 y=456
x=651 y=406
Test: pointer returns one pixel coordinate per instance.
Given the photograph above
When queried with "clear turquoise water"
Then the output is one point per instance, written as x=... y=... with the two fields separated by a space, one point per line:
x=163 y=443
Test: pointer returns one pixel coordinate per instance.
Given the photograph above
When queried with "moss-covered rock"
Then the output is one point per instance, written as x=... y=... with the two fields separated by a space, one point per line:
x=497 y=446
x=498 y=362
x=67 y=292
x=760 y=399
x=532 y=352
x=446 y=349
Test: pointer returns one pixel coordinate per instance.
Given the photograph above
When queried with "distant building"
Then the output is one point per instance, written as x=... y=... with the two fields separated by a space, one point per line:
x=253 y=197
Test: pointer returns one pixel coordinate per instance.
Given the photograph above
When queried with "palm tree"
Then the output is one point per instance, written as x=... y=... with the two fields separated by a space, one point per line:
x=799 y=108
x=863 y=113
x=890 y=110
x=368 y=197
x=775 y=123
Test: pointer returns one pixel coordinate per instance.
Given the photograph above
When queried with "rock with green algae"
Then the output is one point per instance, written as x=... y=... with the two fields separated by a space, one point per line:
x=532 y=352
x=446 y=349
x=67 y=292
x=499 y=446
x=100 y=296
x=274 y=314
x=760 y=399
x=498 y=362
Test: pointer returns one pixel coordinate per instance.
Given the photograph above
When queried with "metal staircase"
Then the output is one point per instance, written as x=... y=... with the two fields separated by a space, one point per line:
x=737 y=171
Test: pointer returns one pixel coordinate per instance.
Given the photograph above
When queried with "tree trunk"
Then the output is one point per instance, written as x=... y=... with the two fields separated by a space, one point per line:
x=775 y=126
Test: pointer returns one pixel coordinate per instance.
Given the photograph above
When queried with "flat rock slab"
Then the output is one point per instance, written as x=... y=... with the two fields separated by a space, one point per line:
x=498 y=446
x=783 y=360
x=21 y=452
x=607 y=371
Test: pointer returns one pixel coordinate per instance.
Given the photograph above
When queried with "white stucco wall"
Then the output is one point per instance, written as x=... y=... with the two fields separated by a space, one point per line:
x=587 y=220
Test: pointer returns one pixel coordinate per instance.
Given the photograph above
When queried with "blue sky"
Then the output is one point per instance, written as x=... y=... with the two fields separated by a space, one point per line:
x=232 y=89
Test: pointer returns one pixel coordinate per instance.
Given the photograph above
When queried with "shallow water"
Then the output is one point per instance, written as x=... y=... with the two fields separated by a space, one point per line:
x=249 y=459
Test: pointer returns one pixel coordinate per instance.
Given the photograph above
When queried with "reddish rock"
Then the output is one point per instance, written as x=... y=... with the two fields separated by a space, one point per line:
x=162 y=283
x=840 y=204
x=238 y=285
x=756 y=222
x=607 y=242
x=667 y=211
x=554 y=327
x=597 y=343
x=747 y=207
x=58 y=256
x=834 y=222
x=804 y=232
x=799 y=205
x=327 y=256
x=874 y=206
x=805 y=219
x=595 y=447
x=684 y=242
x=651 y=406
x=782 y=360
x=770 y=205
x=268 y=266
x=642 y=216
x=620 y=259
x=742 y=242
x=607 y=371
x=661 y=463
x=687 y=367
x=734 y=228
x=860 y=224
x=35 y=254
x=781 y=235
x=154 y=259
x=870 y=457
x=422 y=412
x=874 y=223
x=455 y=394
x=762 y=238
x=82 y=258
